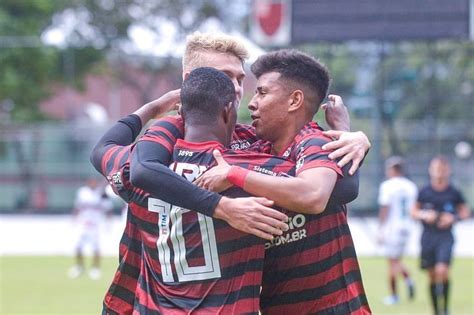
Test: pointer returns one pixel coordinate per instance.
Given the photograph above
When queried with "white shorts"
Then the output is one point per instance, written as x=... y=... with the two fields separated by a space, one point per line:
x=88 y=235
x=395 y=241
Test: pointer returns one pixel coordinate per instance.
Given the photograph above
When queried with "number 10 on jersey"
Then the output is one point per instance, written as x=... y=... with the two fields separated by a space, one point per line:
x=170 y=225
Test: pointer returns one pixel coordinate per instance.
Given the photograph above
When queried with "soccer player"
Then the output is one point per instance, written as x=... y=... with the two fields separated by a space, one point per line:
x=397 y=195
x=439 y=206
x=90 y=207
x=110 y=158
x=191 y=262
x=313 y=267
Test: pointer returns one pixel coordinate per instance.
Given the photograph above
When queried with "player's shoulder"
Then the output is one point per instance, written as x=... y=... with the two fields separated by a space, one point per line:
x=174 y=121
x=254 y=158
x=411 y=184
x=426 y=190
x=312 y=133
x=404 y=181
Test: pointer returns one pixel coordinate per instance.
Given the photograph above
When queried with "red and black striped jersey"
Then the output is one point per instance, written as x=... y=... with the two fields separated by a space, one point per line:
x=313 y=268
x=243 y=136
x=194 y=263
x=115 y=165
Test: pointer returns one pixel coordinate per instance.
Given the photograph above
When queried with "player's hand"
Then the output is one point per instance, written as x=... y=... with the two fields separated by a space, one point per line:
x=446 y=220
x=215 y=178
x=252 y=215
x=336 y=113
x=429 y=216
x=167 y=102
x=351 y=146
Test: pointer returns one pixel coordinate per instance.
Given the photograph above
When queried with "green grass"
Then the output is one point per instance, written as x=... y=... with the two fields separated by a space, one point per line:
x=39 y=285
x=374 y=274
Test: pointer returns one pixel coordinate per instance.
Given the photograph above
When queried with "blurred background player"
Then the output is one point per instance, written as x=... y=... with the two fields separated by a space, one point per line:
x=438 y=207
x=90 y=206
x=397 y=195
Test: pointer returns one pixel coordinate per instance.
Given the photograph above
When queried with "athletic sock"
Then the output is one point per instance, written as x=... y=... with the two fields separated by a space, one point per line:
x=446 y=295
x=393 y=286
x=411 y=288
x=434 y=297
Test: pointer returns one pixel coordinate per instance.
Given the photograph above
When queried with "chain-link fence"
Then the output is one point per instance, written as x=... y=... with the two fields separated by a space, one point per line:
x=43 y=165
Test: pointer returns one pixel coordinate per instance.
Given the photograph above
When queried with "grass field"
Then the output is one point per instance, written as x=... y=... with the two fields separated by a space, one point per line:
x=39 y=285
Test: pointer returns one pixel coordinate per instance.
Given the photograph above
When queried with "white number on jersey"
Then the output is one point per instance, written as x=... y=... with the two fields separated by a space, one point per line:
x=170 y=227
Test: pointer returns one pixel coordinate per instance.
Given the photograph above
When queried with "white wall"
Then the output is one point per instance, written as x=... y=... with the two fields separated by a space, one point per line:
x=54 y=235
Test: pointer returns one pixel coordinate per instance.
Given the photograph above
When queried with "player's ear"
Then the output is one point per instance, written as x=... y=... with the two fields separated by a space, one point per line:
x=296 y=101
x=226 y=113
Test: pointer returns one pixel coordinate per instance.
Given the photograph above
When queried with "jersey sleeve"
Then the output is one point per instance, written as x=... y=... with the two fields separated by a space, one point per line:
x=149 y=169
x=244 y=132
x=459 y=198
x=309 y=154
x=384 y=196
x=243 y=137
x=346 y=188
x=112 y=149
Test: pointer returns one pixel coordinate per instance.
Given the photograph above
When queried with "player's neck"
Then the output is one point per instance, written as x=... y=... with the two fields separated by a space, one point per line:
x=205 y=133
x=439 y=184
x=288 y=135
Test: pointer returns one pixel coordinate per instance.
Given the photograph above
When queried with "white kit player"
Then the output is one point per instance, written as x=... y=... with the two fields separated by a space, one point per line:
x=90 y=207
x=397 y=196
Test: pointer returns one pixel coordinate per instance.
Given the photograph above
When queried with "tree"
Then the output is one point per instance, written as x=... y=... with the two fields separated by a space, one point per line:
x=28 y=66
x=112 y=26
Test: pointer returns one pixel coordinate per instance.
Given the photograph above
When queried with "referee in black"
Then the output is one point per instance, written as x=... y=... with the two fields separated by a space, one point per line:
x=438 y=207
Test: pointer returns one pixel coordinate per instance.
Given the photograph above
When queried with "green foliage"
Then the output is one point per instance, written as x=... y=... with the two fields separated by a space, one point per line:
x=432 y=79
x=341 y=62
x=28 y=67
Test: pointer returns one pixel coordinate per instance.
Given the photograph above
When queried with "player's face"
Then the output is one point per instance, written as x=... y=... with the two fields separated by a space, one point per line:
x=439 y=169
x=232 y=120
x=230 y=65
x=269 y=106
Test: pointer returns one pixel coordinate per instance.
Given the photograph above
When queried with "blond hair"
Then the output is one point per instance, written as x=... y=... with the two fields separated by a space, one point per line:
x=197 y=43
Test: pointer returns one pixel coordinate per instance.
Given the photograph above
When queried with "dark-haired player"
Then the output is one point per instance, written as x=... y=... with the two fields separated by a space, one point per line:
x=439 y=206
x=313 y=268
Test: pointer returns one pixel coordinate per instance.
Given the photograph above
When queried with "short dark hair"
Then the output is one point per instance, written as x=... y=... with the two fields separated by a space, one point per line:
x=298 y=67
x=204 y=93
x=397 y=163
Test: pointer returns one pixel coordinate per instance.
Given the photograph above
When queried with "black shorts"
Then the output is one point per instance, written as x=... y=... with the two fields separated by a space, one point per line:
x=436 y=249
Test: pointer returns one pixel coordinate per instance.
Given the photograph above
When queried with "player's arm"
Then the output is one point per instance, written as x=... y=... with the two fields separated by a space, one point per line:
x=126 y=130
x=383 y=201
x=463 y=211
x=348 y=146
x=250 y=215
x=427 y=215
x=383 y=214
x=308 y=192
x=347 y=188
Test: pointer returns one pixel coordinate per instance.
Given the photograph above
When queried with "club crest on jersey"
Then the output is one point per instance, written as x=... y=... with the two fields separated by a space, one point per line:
x=287 y=153
x=300 y=162
x=115 y=181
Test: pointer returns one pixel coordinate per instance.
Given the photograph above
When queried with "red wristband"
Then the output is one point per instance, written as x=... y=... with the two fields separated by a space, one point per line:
x=237 y=175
